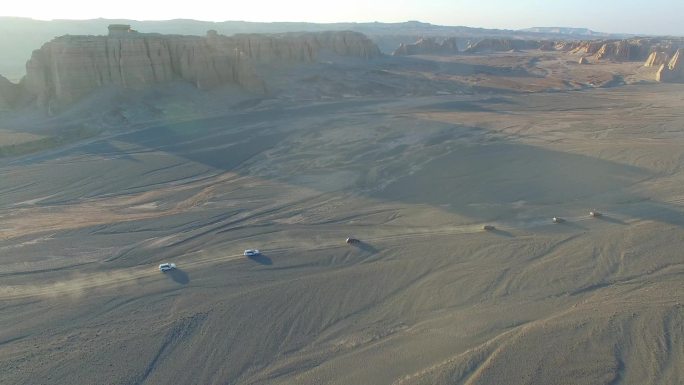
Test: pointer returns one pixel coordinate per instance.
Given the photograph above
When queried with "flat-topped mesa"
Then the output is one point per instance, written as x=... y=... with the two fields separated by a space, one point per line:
x=69 y=67
x=503 y=45
x=672 y=72
x=427 y=46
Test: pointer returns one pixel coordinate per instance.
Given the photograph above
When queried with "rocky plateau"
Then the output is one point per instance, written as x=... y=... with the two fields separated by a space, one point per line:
x=69 y=67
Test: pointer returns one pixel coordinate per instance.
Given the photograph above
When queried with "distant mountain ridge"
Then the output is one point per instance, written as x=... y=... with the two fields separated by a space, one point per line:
x=572 y=31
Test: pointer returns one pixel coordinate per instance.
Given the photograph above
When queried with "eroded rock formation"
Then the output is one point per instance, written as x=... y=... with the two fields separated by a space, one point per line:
x=502 y=45
x=9 y=92
x=547 y=45
x=653 y=50
x=624 y=50
x=427 y=46
x=69 y=67
x=656 y=59
x=674 y=70
x=583 y=47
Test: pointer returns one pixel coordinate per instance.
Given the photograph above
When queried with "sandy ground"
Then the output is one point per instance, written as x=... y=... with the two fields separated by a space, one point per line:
x=427 y=297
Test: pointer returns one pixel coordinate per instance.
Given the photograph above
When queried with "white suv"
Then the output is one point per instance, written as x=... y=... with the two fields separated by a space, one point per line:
x=166 y=267
x=251 y=253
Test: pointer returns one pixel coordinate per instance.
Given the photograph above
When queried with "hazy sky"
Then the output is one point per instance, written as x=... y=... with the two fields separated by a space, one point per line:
x=631 y=16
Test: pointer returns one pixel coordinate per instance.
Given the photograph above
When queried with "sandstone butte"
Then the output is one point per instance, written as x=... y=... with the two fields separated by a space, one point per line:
x=69 y=67
x=672 y=71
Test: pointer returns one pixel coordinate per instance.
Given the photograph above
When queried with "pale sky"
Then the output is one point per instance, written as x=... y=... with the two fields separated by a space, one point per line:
x=629 y=16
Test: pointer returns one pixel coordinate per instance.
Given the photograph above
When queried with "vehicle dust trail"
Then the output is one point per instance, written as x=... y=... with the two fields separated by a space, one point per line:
x=76 y=286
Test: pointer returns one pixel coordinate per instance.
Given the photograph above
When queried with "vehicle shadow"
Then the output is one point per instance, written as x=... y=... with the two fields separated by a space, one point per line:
x=502 y=233
x=261 y=259
x=178 y=276
x=611 y=220
x=363 y=246
x=570 y=224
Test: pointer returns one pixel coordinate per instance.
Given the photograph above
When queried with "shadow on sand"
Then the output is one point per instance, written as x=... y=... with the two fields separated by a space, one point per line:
x=658 y=212
x=612 y=220
x=363 y=246
x=262 y=259
x=507 y=171
x=178 y=276
x=502 y=233
x=570 y=224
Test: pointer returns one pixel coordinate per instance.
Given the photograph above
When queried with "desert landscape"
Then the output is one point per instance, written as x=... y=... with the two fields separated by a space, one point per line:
x=446 y=158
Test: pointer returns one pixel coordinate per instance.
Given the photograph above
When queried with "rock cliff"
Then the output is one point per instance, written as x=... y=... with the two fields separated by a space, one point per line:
x=9 y=92
x=582 y=47
x=427 y=46
x=656 y=59
x=449 y=46
x=674 y=70
x=547 y=45
x=502 y=45
x=69 y=67
x=650 y=50
x=624 y=50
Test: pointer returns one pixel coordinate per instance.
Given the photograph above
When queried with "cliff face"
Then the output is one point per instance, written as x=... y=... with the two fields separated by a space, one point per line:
x=624 y=50
x=502 y=45
x=650 y=50
x=664 y=53
x=427 y=46
x=547 y=45
x=69 y=67
x=9 y=92
x=656 y=59
x=583 y=47
x=674 y=70
x=303 y=47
